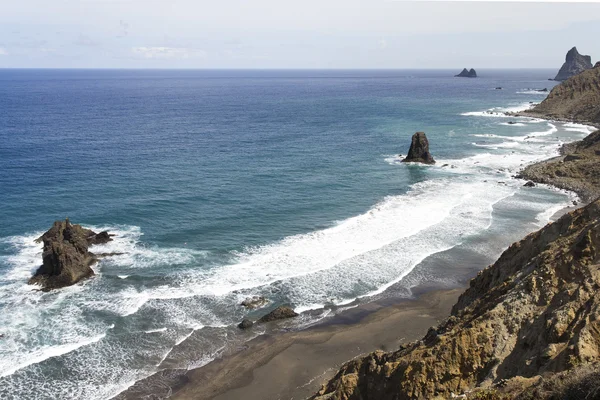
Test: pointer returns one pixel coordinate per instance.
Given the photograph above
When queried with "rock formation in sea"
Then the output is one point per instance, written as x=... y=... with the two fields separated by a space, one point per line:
x=65 y=256
x=419 y=150
x=281 y=312
x=576 y=99
x=575 y=63
x=525 y=324
x=465 y=73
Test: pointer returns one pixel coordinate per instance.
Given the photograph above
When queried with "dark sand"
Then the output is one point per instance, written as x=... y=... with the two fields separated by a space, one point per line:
x=293 y=365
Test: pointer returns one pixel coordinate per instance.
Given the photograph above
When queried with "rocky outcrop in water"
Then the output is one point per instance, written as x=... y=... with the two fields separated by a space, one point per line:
x=576 y=99
x=465 y=73
x=282 y=312
x=527 y=321
x=254 y=302
x=66 y=259
x=419 y=150
x=575 y=63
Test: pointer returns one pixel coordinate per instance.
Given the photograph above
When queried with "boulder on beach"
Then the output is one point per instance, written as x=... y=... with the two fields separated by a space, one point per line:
x=66 y=259
x=465 y=73
x=281 y=312
x=529 y=184
x=419 y=150
x=245 y=324
x=575 y=63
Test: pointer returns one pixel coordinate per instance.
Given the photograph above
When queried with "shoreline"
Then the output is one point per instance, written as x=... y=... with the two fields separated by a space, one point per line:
x=294 y=364
x=303 y=360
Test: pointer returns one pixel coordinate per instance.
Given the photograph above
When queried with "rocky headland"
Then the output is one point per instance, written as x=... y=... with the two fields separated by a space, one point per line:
x=419 y=150
x=574 y=64
x=577 y=168
x=466 y=73
x=66 y=256
x=576 y=99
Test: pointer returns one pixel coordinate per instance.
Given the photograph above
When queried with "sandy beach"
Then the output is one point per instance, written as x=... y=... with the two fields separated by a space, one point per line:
x=294 y=365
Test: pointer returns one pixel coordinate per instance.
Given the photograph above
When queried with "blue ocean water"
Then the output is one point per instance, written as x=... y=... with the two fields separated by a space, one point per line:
x=226 y=184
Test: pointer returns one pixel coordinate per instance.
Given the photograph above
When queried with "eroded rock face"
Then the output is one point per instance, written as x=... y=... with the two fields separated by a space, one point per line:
x=66 y=259
x=465 y=73
x=575 y=63
x=419 y=150
x=534 y=312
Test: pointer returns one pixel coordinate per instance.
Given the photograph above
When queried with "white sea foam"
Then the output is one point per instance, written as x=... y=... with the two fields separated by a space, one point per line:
x=498 y=112
x=8 y=367
x=533 y=91
x=573 y=127
x=515 y=124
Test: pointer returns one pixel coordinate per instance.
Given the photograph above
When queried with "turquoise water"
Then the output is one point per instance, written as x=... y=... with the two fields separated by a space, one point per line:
x=226 y=184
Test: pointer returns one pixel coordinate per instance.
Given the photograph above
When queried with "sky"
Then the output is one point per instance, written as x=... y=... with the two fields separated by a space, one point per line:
x=294 y=34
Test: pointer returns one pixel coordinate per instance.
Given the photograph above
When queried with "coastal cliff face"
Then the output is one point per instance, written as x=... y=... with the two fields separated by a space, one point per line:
x=525 y=319
x=575 y=63
x=576 y=99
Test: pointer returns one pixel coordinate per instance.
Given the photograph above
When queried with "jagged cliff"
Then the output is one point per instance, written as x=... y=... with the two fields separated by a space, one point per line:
x=574 y=64
x=576 y=99
x=531 y=315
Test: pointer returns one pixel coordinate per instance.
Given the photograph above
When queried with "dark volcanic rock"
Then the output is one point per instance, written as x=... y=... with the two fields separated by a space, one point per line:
x=529 y=184
x=66 y=259
x=245 y=324
x=281 y=312
x=99 y=238
x=467 y=73
x=575 y=63
x=419 y=150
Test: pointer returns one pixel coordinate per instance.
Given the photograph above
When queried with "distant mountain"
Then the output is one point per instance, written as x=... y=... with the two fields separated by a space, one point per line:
x=575 y=63
x=467 y=73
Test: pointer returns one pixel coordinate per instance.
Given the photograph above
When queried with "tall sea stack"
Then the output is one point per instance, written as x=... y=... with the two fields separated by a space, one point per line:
x=575 y=63
x=419 y=150
x=66 y=259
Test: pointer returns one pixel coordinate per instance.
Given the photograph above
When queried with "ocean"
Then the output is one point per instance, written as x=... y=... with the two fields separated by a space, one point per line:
x=221 y=185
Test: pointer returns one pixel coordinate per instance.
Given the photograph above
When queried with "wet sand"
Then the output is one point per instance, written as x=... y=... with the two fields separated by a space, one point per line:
x=293 y=365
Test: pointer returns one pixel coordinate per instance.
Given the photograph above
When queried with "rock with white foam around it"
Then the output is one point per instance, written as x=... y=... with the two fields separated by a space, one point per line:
x=419 y=150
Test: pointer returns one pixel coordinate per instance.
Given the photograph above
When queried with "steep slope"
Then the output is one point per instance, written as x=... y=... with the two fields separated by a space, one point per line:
x=534 y=312
x=576 y=99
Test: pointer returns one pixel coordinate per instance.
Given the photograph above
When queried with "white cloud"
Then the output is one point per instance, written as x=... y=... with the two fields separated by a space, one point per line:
x=167 y=53
x=3 y=51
